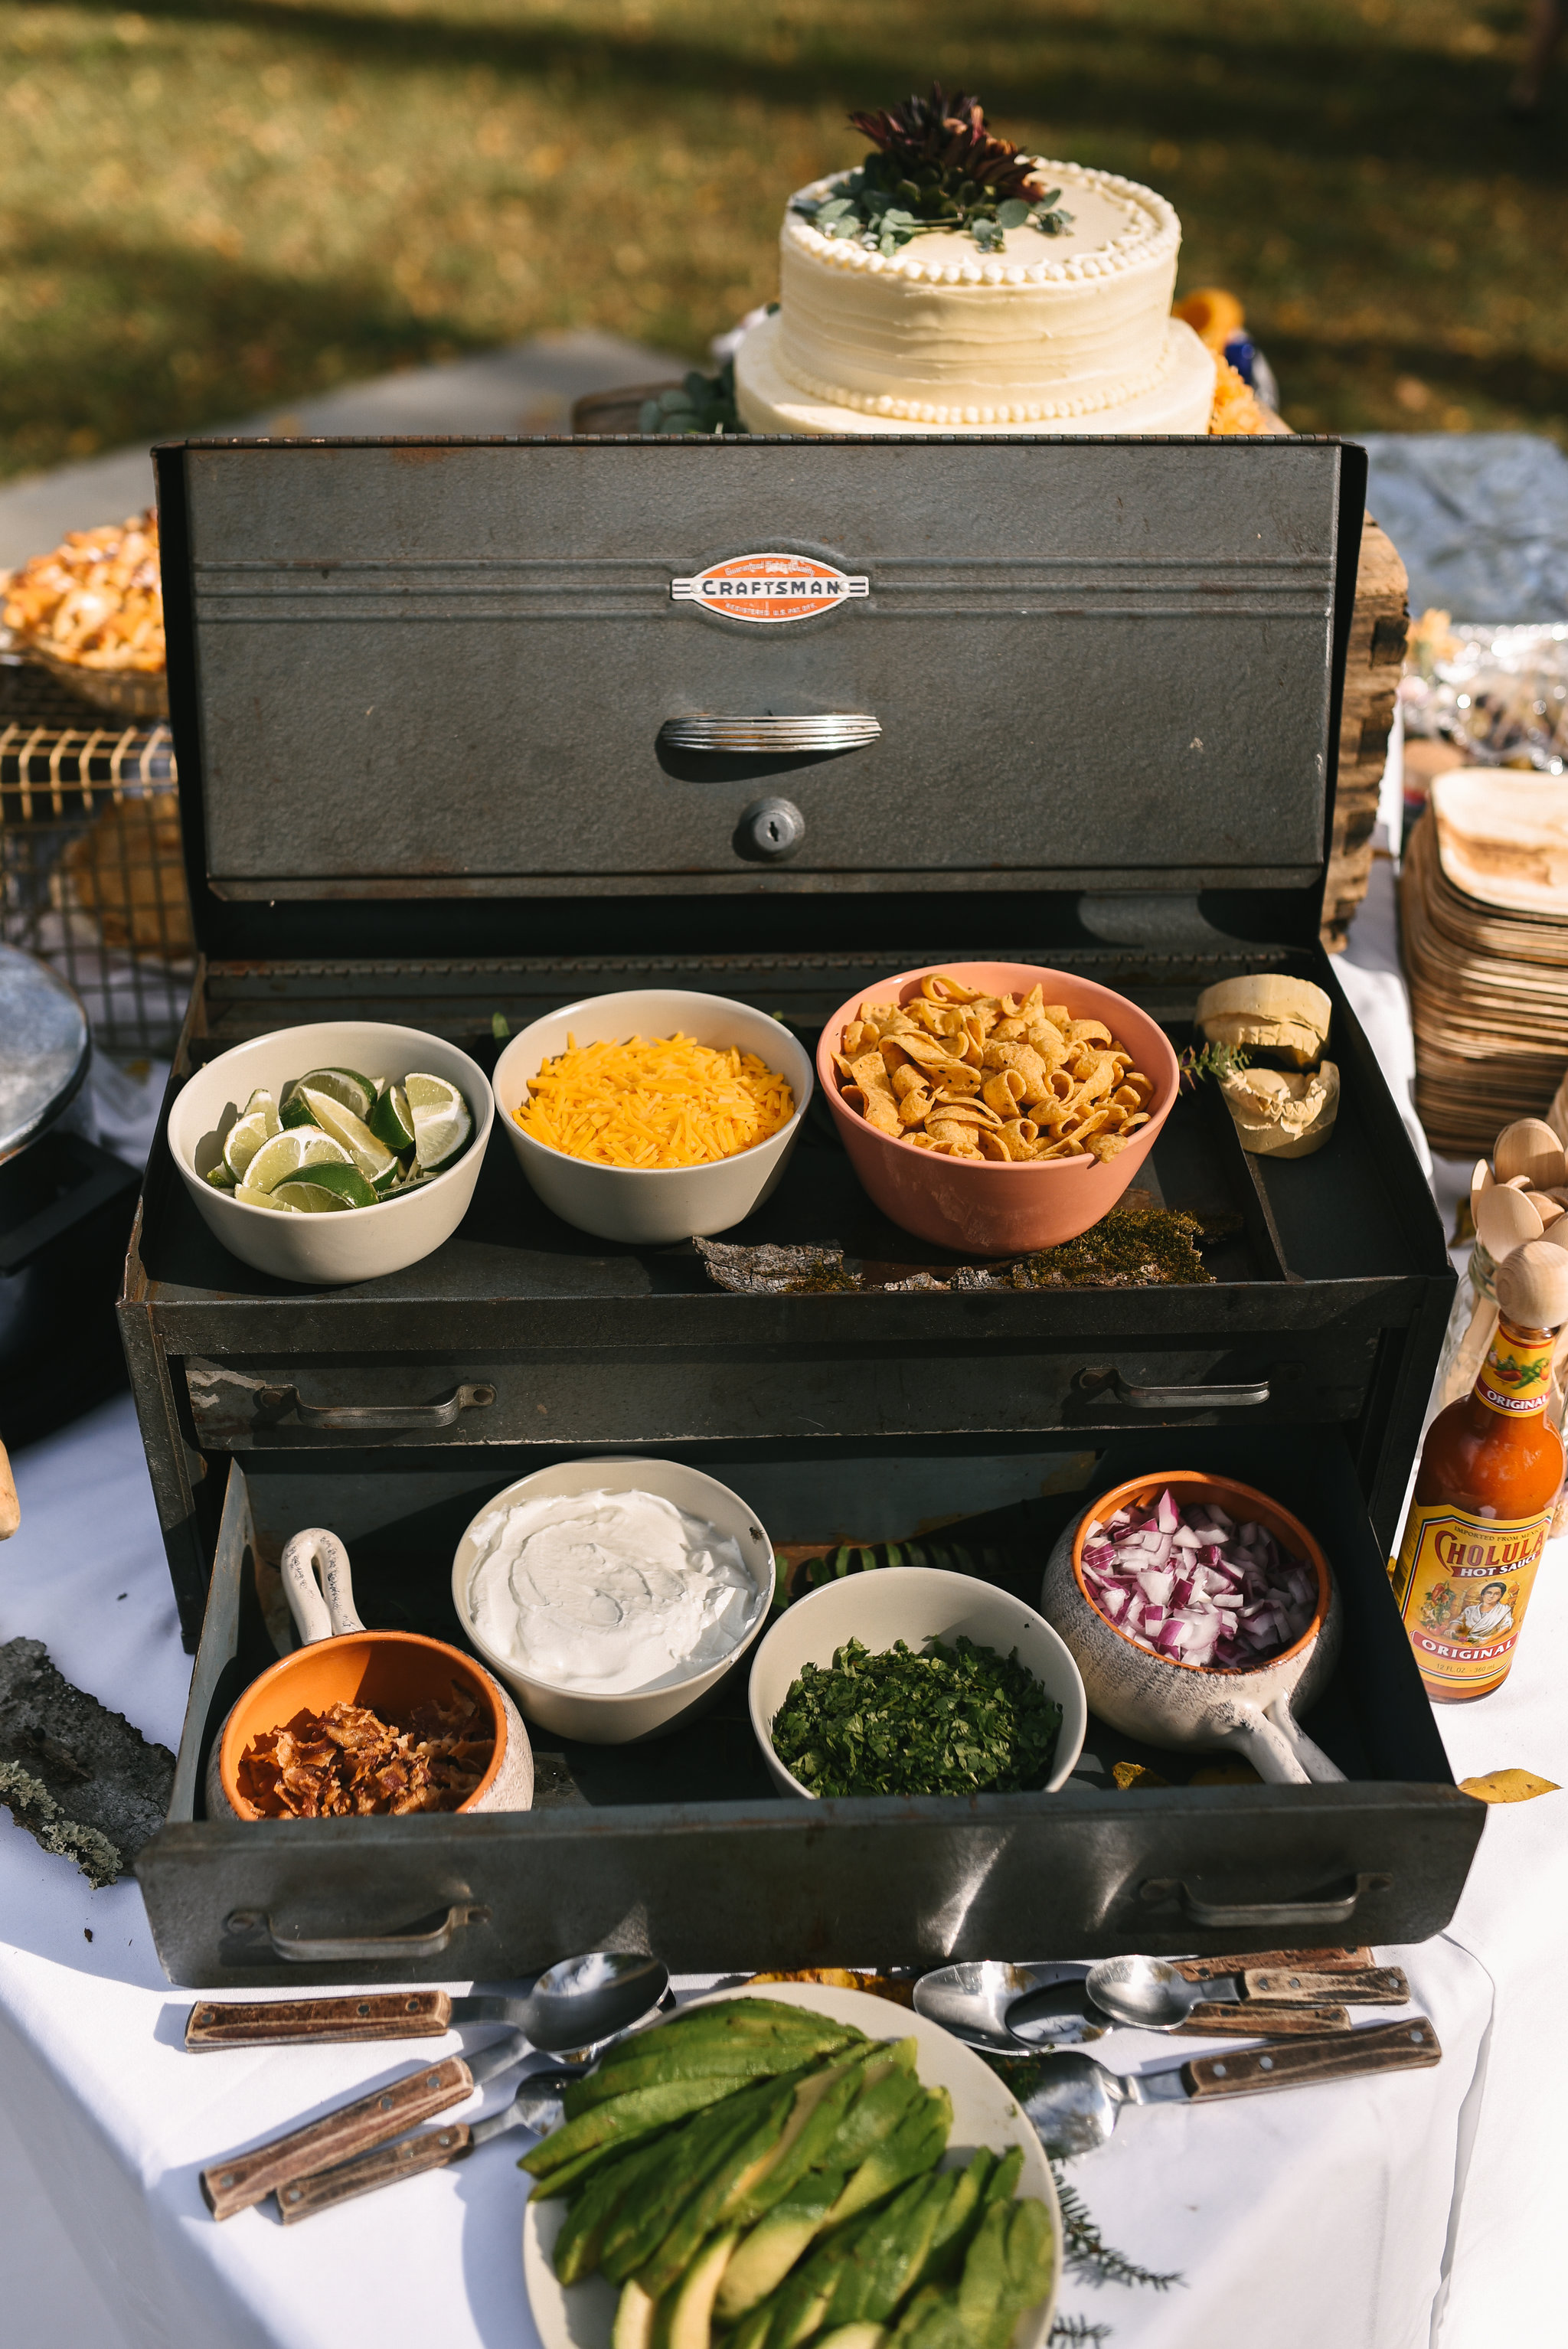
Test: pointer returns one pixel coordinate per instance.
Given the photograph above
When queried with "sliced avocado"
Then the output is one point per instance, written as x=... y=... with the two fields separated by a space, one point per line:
x=874 y=2114
x=889 y=2255
x=784 y=2235
x=647 y=2217
x=685 y=2317
x=1003 y=2183
x=957 y=2221
x=821 y=2100
x=705 y=2211
x=917 y=2144
x=612 y=2127
x=581 y=2240
x=634 y=2312
x=986 y=2307
x=863 y=2335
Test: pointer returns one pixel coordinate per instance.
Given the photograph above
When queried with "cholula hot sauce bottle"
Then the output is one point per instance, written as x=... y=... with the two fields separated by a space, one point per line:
x=1491 y=1468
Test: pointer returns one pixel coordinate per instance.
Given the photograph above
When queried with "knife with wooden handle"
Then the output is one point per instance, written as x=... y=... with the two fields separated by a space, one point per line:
x=536 y=2106
x=1315 y=1962
x=329 y=2022
x=247 y=2177
x=1353 y=2055
x=1253 y=2018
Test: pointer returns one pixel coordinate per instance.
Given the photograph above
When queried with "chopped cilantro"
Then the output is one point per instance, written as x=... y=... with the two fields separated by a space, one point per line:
x=947 y=1721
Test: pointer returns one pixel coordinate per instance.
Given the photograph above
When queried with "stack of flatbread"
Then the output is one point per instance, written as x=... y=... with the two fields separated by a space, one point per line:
x=1484 y=914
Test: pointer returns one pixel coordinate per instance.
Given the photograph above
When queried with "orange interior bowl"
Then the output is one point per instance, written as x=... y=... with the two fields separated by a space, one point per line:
x=1238 y=1501
x=980 y=1206
x=389 y=1673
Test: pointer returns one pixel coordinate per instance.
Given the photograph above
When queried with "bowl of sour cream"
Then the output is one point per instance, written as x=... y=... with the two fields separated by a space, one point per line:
x=614 y=1596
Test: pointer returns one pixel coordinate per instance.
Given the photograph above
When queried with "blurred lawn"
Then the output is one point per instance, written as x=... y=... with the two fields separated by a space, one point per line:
x=215 y=206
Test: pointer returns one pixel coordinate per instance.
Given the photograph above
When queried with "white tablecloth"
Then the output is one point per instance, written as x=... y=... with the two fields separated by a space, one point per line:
x=1301 y=2219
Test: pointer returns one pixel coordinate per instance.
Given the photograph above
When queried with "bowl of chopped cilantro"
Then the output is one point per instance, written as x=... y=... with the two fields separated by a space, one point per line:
x=914 y=1682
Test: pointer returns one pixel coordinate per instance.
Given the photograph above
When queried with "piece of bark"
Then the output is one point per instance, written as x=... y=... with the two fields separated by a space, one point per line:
x=79 y=1778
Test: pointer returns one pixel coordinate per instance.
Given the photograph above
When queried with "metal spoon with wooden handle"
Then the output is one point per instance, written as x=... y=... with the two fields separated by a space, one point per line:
x=1150 y=1994
x=1074 y=2103
x=536 y=2106
x=600 y=2011
x=551 y=2012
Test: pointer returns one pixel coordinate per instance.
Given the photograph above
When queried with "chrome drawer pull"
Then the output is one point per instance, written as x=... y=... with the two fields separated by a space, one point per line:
x=1195 y=1398
x=1273 y=1914
x=705 y=729
x=347 y=1951
x=349 y=1416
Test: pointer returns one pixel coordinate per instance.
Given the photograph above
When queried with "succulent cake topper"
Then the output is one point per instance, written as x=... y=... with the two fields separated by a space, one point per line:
x=935 y=166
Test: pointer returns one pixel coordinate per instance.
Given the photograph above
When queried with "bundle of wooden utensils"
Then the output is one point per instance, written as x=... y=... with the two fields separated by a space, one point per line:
x=1484 y=920
x=1520 y=1194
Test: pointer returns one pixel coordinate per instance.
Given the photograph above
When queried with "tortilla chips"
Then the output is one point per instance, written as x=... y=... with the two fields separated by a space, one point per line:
x=971 y=1075
x=97 y=599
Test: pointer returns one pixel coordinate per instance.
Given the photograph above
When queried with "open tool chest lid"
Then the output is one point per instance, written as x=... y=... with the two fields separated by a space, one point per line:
x=739 y=675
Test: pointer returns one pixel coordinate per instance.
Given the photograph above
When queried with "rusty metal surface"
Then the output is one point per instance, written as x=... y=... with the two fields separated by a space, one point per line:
x=447 y=666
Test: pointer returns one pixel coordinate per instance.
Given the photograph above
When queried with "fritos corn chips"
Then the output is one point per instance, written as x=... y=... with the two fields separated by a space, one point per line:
x=97 y=599
x=991 y=1076
x=657 y=1101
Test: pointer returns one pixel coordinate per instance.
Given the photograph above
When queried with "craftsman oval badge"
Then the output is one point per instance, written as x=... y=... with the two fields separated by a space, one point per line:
x=768 y=588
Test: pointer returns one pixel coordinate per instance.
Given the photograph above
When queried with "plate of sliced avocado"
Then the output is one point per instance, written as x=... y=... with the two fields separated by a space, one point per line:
x=791 y=2166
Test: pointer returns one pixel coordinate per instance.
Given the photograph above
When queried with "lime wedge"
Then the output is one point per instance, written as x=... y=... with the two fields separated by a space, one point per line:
x=347 y=1087
x=389 y=1120
x=246 y=1137
x=289 y=1153
x=325 y=1190
x=262 y=1104
x=220 y=1177
x=249 y=1196
x=442 y=1121
x=373 y=1158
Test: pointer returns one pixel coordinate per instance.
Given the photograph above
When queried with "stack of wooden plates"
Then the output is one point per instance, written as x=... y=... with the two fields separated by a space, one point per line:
x=1484 y=908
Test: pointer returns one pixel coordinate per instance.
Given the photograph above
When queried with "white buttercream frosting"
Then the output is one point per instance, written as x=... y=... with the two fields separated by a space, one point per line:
x=607 y=1592
x=940 y=333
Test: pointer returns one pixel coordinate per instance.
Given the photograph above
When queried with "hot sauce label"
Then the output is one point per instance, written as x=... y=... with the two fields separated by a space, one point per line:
x=1516 y=1376
x=1463 y=1584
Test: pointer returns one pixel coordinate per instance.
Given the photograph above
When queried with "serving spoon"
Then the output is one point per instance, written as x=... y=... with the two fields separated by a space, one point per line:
x=582 y=2004
x=1074 y=2103
x=1151 y=1995
x=1002 y=2008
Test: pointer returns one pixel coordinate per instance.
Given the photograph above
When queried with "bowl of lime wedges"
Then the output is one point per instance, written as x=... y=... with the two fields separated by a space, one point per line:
x=336 y=1152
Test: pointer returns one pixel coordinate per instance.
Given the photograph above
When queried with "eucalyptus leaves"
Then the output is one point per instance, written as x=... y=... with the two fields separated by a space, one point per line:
x=882 y=208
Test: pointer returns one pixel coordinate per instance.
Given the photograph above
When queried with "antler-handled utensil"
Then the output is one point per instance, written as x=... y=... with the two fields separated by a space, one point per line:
x=551 y=2012
x=1001 y=2007
x=1149 y=1994
x=536 y=2106
x=600 y=2011
x=1077 y=2102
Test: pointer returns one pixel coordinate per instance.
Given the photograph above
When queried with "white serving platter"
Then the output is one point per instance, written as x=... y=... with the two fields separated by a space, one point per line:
x=984 y=2113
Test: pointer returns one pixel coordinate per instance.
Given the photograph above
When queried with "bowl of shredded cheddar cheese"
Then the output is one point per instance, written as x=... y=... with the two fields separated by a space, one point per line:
x=655 y=1115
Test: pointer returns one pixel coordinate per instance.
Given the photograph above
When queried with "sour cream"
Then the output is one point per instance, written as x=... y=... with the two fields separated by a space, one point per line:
x=608 y=1592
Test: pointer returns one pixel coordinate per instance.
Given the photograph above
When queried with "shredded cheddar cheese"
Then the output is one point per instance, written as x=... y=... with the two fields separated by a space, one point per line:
x=662 y=1101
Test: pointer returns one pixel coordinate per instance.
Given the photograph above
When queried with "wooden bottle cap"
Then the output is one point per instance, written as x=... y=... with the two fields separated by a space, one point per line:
x=1529 y=1147
x=1532 y=1286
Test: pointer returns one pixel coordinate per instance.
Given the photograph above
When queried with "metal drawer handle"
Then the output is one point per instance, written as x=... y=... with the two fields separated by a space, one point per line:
x=1195 y=1398
x=1273 y=1914
x=705 y=729
x=349 y=1416
x=333 y=1951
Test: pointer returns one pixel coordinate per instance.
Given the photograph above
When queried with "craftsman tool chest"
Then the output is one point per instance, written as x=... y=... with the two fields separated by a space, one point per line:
x=447 y=716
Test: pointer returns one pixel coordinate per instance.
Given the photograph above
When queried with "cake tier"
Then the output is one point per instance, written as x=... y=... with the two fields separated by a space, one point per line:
x=1048 y=331
x=1179 y=400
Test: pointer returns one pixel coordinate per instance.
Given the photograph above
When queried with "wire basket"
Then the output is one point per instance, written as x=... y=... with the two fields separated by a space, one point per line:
x=91 y=874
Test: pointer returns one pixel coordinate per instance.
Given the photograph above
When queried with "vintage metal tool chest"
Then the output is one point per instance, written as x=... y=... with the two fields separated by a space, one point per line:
x=444 y=715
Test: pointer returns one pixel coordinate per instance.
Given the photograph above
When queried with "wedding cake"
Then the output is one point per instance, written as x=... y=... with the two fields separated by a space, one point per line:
x=952 y=284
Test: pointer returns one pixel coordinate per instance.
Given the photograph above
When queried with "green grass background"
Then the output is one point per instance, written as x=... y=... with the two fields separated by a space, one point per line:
x=208 y=208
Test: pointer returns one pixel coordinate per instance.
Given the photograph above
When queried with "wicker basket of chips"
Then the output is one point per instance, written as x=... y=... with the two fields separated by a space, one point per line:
x=91 y=612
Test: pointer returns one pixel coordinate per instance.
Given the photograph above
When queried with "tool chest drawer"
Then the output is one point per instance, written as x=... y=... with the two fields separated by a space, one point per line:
x=682 y=1845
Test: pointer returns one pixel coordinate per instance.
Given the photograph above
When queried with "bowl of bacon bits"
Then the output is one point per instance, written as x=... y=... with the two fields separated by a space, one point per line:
x=994 y=1107
x=91 y=611
x=361 y=1724
x=654 y=1114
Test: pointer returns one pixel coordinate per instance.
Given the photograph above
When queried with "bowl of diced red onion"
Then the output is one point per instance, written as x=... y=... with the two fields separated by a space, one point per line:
x=1200 y=1613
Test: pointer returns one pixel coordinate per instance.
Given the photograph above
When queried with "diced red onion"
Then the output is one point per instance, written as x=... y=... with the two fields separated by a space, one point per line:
x=1195 y=1587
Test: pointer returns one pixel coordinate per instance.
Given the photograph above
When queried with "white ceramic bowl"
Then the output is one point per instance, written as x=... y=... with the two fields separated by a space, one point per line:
x=913 y=1603
x=363 y=1242
x=647 y=1207
x=592 y=1719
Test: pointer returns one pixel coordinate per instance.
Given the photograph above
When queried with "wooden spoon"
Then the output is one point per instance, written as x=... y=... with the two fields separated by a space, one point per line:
x=1529 y=1147
x=1505 y=1220
x=1532 y=1286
